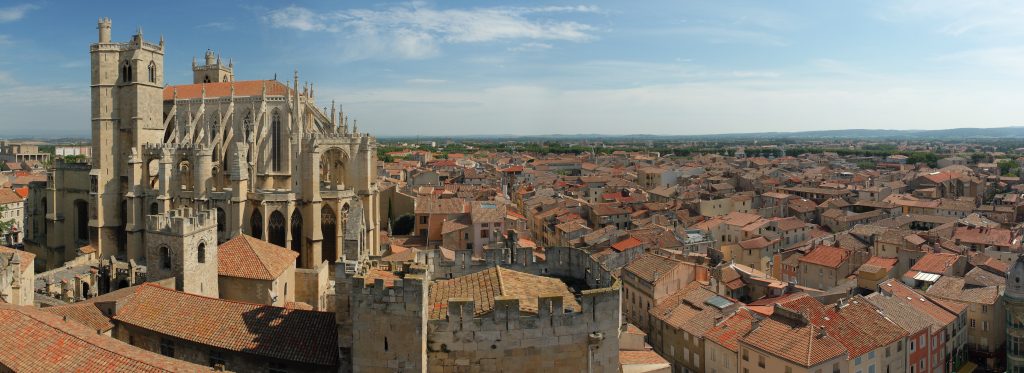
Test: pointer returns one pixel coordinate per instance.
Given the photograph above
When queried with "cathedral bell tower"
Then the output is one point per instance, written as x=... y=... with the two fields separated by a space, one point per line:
x=127 y=111
x=1013 y=300
x=213 y=71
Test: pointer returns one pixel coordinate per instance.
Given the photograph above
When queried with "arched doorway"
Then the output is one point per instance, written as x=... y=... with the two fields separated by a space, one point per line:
x=256 y=225
x=329 y=230
x=85 y=290
x=276 y=229
x=297 y=236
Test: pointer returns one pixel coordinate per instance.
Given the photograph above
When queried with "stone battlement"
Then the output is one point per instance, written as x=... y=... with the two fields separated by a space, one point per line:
x=181 y=221
x=175 y=146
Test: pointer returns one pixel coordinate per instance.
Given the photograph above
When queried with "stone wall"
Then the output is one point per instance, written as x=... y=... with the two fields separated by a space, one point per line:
x=386 y=328
x=388 y=325
x=312 y=285
x=552 y=340
x=182 y=232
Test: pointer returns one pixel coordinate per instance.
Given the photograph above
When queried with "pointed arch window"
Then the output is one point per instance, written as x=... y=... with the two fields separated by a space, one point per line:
x=275 y=142
x=201 y=253
x=165 y=258
x=126 y=72
x=152 y=72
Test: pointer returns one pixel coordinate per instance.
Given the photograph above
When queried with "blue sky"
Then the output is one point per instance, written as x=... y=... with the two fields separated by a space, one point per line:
x=485 y=67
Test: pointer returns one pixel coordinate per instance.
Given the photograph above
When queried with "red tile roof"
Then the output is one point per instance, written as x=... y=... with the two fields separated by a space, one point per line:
x=37 y=341
x=881 y=262
x=728 y=332
x=797 y=341
x=223 y=89
x=252 y=258
x=26 y=258
x=827 y=256
x=626 y=244
x=9 y=196
x=84 y=313
x=296 y=335
x=936 y=263
x=641 y=358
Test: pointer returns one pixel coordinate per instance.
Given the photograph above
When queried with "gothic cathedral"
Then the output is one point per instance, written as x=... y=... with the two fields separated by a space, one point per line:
x=178 y=169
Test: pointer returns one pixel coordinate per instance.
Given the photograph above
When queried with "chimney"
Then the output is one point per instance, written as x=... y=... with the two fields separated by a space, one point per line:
x=821 y=332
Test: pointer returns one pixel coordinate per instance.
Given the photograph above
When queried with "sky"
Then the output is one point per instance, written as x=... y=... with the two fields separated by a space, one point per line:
x=551 y=67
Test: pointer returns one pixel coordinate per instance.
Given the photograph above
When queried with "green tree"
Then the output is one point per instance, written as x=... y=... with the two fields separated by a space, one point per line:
x=5 y=225
x=1008 y=167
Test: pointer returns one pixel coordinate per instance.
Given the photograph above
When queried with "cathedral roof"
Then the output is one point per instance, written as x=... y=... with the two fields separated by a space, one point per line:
x=251 y=258
x=223 y=89
x=309 y=337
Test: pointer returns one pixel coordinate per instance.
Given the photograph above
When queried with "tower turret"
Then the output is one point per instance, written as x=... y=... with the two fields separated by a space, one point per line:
x=104 y=27
x=213 y=70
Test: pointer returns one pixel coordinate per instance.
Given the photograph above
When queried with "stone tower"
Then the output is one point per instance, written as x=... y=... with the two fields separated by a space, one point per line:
x=127 y=95
x=182 y=244
x=213 y=71
x=1013 y=298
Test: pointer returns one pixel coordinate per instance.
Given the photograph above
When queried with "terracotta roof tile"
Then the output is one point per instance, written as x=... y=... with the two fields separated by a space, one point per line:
x=26 y=258
x=485 y=285
x=827 y=256
x=650 y=267
x=302 y=336
x=728 y=332
x=223 y=89
x=627 y=244
x=641 y=358
x=37 y=341
x=252 y=258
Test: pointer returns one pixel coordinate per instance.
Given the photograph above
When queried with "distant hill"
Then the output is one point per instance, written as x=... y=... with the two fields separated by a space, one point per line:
x=952 y=133
x=1016 y=132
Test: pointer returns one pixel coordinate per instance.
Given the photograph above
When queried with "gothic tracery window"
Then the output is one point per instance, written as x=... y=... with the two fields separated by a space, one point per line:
x=126 y=72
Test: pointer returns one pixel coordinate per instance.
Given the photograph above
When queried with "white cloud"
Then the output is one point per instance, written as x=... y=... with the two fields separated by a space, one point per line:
x=730 y=35
x=685 y=108
x=531 y=46
x=223 y=26
x=14 y=13
x=416 y=31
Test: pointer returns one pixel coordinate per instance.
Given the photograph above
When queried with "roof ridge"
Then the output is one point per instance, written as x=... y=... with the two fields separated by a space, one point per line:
x=256 y=252
x=501 y=287
x=153 y=284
